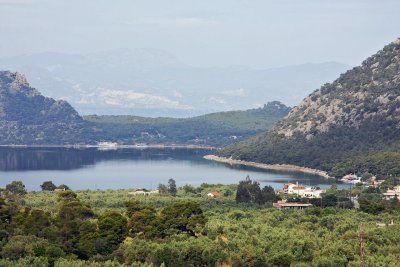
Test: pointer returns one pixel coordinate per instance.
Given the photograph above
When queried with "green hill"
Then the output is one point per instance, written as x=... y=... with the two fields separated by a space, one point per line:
x=216 y=129
x=355 y=118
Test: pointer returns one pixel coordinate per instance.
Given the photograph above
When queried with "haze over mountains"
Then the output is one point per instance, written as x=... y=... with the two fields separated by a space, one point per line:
x=355 y=119
x=152 y=82
x=29 y=118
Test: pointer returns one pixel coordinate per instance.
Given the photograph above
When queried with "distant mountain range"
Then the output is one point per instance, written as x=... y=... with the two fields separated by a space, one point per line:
x=151 y=82
x=27 y=117
x=349 y=126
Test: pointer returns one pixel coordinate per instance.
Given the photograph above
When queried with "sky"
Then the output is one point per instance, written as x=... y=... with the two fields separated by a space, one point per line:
x=255 y=33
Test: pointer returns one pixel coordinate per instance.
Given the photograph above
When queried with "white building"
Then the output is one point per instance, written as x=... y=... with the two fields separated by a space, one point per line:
x=281 y=204
x=302 y=191
x=392 y=193
x=139 y=192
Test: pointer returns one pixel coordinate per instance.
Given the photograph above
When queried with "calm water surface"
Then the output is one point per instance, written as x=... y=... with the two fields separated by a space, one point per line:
x=127 y=168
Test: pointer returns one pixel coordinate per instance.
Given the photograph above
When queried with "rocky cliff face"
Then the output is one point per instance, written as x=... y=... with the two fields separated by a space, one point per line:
x=369 y=91
x=360 y=111
x=28 y=117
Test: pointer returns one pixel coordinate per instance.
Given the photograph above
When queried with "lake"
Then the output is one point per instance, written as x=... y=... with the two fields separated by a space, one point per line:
x=91 y=168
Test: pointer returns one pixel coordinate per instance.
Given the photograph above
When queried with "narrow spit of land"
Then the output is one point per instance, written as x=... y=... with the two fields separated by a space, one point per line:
x=116 y=146
x=276 y=167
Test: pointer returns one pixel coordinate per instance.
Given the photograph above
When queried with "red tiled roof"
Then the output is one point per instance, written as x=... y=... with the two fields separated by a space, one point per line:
x=298 y=187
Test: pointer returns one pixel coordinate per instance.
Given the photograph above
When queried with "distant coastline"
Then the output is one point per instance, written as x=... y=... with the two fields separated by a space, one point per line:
x=275 y=167
x=115 y=147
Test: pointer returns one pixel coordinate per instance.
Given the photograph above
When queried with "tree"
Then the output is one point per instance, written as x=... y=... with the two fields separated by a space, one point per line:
x=249 y=192
x=143 y=222
x=329 y=200
x=5 y=213
x=48 y=186
x=268 y=194
x=162 y=189
x=88 y=235
x=184 y=217
x=71 y=215
x=228 y=193
x=21 y=246
x=16 y=188
x=243 y=191
x=37 y=222
x=172 y=187
x=133 y=206
x=189 y=189
x=112 y=231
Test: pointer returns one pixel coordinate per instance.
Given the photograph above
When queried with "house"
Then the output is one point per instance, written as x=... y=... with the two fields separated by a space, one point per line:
x=301 y=191
x=282 y=204
x=143 y=192
x=350 y=179
x=214 y=194
x=59 y=189
x=377 y=183
x=312 y=193
x=384 y=224
x=392 y=193
x=291 y=188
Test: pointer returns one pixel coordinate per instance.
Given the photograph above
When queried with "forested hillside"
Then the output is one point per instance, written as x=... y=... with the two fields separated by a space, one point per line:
x=216 y=129
x=354 y=118
x=27 y=117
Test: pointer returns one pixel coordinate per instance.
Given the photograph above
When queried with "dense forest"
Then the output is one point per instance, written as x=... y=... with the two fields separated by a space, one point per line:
x=184 y=227
x=347 y=126
x=216 y=129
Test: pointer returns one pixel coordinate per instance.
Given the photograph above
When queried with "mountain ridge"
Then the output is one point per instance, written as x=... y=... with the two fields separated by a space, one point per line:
x=29 y=118
x=358 y=113
x=113 y=82
x=26 y=115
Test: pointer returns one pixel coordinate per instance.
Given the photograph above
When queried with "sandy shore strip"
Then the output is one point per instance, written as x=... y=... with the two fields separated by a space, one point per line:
x=276 y=167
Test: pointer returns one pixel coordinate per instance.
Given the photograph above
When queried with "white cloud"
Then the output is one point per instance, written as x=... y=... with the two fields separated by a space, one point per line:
x=177 y=94
x=217 y=100
x=130 y=99
x=172 y=22
x=236 y=92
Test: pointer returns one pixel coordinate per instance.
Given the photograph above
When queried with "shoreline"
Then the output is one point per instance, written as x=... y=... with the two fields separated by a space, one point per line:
x=80 y=146
x=274 y=167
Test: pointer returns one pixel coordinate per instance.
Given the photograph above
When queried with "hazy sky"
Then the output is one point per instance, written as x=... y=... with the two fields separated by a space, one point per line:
x=257 y=33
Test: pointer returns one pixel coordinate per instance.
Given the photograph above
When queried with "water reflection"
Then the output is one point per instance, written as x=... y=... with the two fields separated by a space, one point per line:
x=23 y=159
x=126 y=168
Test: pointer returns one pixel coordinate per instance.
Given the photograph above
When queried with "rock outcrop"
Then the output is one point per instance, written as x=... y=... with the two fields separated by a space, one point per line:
x=357 y=113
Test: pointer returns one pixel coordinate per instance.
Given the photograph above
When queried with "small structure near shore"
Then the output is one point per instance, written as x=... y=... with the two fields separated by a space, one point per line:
x=59 y=189
x=283 y=204
x=301 y=190
x=143 y=192
x=214 y=194
x=350 y=179
x=392 y=193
